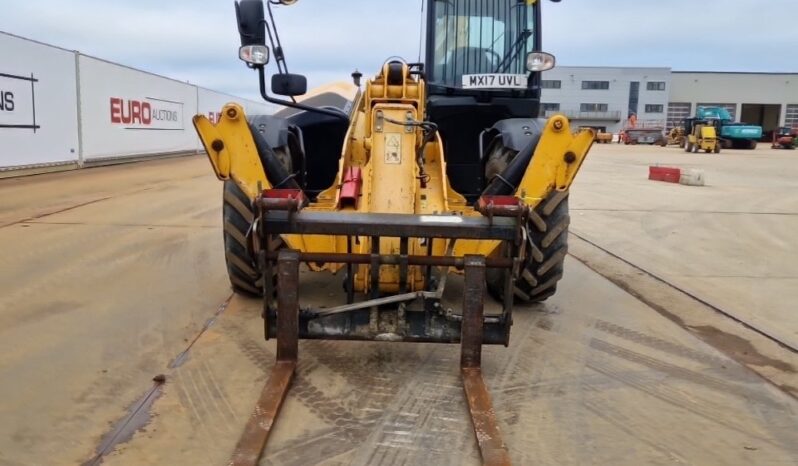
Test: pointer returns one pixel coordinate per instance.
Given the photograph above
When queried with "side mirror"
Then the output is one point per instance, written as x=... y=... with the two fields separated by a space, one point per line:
x=289 y=84
x=251 y=22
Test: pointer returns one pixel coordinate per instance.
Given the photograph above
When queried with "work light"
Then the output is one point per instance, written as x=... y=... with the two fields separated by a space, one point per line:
x=540 y=61
x=254 y=54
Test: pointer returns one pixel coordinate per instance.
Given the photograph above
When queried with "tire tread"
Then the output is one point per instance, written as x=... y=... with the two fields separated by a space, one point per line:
x=237 y=216
x=545 y=253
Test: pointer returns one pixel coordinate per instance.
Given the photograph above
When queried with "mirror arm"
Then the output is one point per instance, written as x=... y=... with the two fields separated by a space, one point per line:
x=298 y=106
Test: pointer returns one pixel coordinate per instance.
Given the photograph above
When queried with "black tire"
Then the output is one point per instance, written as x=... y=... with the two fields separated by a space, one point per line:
x=546 y=248
x=237 y=216
x=547 y=241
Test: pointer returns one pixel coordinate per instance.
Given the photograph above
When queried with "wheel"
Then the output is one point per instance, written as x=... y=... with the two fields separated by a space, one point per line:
x=237 y=216
x=751 y=145
x=688 y=147
x=717 y=148
x=546 y=248
x=695 y=148
x=708 y=151
x=547 y=241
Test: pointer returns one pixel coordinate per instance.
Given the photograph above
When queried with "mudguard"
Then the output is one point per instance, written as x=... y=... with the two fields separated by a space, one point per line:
x=273 y=129
x=515 y=133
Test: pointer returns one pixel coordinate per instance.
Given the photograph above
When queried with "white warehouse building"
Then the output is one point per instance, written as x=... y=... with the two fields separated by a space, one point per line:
x=605 y=97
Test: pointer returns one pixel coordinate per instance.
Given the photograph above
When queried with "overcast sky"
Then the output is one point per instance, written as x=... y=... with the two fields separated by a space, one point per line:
x=196 y=40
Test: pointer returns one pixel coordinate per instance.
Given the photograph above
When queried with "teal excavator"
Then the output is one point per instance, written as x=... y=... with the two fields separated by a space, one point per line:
x=732 y=135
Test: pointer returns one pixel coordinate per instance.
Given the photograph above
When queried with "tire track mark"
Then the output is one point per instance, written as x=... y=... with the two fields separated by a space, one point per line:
x=683 y=373
x=668 y=347
x=541 y=391
x=346 y=429
x=708 y=410
x=663 y=281
x=428 y=422
x=621 y=423
x=218 y=393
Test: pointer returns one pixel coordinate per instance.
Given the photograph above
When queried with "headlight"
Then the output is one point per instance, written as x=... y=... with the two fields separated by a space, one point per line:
x=540 y=61
x=254 y=54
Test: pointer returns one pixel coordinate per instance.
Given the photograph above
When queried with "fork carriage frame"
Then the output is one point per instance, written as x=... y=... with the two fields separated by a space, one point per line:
x=419 y=316
x=422 y=320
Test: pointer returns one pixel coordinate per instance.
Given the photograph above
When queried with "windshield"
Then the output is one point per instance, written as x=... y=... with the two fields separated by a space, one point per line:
x=477 y=37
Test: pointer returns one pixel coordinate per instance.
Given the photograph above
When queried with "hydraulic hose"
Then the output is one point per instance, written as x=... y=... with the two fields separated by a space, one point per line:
x=276 y=173
x=506 y=183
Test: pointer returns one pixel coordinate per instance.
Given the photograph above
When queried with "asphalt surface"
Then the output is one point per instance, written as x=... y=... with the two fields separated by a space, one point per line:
x=111 y=276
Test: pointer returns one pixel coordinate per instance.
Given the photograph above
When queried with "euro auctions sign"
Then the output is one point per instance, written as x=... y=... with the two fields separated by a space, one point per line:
x=18 y=102
x=147 y=113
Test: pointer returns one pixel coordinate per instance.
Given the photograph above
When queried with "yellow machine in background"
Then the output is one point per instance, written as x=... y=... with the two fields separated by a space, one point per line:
x=603 y=137
x=676 y=137
x=427 y=169
x=703 y=137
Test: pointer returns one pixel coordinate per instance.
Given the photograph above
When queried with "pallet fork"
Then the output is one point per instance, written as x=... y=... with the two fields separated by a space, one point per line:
x=504 y=219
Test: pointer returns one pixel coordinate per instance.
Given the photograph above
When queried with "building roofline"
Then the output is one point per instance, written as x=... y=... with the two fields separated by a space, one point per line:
x=17 y=36
x=659 y=68
x=771 y=73
x=666 y=68
x=103 y=60
x=138 y=70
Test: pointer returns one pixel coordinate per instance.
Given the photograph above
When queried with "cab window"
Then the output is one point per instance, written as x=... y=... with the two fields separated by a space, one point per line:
x=480 y=37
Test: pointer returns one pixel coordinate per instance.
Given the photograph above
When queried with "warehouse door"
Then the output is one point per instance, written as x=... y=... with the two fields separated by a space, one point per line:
x=766 y=116
x=677 y=112
x=791 y=117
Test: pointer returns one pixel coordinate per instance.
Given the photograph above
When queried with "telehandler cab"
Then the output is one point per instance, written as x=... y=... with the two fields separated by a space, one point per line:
x=424 y=170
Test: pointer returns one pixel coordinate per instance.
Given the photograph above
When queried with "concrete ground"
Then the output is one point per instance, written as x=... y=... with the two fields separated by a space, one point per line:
x=733 y=243
x=114 y=275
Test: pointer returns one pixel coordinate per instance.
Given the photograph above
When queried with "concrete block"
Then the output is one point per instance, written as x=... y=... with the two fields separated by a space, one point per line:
x=692 y=177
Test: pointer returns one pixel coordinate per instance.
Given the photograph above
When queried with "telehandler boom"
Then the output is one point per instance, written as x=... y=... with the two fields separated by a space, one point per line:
x=422 y=171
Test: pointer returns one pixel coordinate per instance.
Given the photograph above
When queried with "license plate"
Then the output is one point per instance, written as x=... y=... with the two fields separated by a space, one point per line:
x=648 y=139
x=494 y=81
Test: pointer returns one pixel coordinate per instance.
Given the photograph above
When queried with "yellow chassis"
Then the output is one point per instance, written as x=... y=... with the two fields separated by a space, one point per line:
x=385 y=151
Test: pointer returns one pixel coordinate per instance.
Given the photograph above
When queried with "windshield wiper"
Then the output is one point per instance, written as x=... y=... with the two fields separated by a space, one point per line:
x=515 y=49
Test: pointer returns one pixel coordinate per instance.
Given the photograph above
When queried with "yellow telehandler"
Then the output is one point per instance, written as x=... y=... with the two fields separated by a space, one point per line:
x=702 y=135
x=399 y=180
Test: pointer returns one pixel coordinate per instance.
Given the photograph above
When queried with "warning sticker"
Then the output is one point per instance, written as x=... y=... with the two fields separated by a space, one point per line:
x=393 y=148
